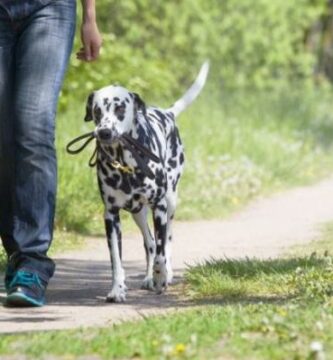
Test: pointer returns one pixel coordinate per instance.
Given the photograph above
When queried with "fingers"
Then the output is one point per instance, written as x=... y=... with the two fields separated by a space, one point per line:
x=81 y=55
x=88 y=53
x=94 y=53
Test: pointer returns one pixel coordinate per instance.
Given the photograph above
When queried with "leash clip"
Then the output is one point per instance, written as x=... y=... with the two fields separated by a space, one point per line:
x=125 y=169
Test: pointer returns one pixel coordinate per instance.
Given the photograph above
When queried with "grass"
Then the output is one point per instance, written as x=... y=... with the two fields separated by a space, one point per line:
x=238 y=146
x=253 y=309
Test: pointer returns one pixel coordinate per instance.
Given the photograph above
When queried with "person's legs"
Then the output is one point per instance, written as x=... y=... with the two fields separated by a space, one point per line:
x=44 y=42
x=42 y=53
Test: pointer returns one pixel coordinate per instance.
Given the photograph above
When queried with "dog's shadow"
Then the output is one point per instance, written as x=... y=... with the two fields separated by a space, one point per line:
x=86 y=283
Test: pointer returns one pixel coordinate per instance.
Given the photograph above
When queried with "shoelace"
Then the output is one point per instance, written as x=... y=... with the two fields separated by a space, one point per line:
x=25 y=278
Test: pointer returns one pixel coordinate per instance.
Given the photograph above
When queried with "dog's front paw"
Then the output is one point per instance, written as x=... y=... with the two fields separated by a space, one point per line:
x=117 y=294
x=160 y=274
x=148 y=283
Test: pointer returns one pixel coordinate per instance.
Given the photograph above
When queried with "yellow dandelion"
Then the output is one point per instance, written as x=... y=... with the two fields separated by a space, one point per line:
x=180 y=348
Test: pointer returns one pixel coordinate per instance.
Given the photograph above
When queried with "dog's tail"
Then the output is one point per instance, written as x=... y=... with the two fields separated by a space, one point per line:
x=191 y=94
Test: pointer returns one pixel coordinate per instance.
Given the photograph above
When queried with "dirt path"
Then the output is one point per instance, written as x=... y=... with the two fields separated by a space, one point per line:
x=76 y=295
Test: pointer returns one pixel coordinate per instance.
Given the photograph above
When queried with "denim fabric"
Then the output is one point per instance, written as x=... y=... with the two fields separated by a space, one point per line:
x=36 y=38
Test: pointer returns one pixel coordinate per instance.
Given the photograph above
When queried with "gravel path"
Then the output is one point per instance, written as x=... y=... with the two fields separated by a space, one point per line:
x=266 y=228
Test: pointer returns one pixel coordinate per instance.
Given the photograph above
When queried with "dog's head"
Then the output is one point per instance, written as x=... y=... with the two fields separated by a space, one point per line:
x=114 y=110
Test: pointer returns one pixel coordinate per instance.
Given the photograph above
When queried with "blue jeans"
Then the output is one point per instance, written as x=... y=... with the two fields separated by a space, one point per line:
x=36 y=38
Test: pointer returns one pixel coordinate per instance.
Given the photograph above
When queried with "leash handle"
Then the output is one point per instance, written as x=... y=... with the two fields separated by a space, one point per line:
x=90 y=136
x=93 y=159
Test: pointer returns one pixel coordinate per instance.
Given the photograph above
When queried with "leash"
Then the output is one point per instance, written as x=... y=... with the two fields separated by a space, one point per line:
x=139 y=152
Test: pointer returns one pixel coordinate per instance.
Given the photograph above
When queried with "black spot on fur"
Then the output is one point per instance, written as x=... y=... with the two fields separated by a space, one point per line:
x=134 y=182
x=137 y=209
x=125 y=185
x=172 y=163
x=107 y=103
x=174 y=184
x=160 y=231
x=159 y=177
x=108 y=227
x=111 y=199
x=161 y=117
x=174 y=141
x=181 y=158
x=129 y=204
x=103 y=169
x=112 y=181
x=161 y=208
x=158 y=193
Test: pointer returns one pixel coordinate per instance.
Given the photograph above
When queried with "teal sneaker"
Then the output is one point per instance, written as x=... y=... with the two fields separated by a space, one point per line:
x=26 y=289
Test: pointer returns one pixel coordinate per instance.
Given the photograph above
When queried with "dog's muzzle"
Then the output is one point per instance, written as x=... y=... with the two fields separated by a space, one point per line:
x=104 y=135
x=107 y=136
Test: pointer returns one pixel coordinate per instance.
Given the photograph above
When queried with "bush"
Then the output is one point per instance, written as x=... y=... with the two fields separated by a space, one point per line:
x=155 y=47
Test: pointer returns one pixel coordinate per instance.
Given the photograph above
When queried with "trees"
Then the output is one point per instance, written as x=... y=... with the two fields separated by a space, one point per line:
x=154 y=46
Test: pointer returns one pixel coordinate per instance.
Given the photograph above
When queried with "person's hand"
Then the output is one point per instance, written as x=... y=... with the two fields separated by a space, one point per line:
x=91 y=41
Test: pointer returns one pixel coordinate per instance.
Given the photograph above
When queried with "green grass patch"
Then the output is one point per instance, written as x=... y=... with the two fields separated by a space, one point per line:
x=254 y=279
x=238 y=146
x=235 y=309
x=228 y=331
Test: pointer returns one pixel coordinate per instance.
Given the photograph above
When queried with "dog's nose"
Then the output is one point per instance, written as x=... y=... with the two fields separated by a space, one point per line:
x=104 y=134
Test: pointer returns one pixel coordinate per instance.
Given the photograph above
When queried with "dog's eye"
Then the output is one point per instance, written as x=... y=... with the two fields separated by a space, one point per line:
x=119 y=110
x=97 y=113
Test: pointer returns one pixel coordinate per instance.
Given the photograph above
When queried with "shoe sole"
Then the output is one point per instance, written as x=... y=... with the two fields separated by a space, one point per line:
x=21 y=300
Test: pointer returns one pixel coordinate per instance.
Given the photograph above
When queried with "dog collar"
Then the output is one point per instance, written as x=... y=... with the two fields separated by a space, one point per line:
x=139 y=152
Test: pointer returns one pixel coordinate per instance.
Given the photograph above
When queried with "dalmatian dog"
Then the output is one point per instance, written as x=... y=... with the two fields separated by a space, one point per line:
x=138 y=183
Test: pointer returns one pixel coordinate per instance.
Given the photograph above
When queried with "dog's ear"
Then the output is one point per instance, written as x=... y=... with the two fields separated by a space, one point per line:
x=139 y=104
x=89 y=115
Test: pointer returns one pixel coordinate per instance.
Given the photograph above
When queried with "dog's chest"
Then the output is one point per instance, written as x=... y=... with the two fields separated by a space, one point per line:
x=130 y=191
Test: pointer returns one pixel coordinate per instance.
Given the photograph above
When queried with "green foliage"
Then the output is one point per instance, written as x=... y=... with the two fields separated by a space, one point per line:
x=154 y=47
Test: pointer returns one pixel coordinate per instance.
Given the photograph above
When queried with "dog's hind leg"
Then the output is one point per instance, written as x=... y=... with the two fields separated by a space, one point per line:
x=150 y=247
x=113 y=233
x=160 y=218
x=171 y=201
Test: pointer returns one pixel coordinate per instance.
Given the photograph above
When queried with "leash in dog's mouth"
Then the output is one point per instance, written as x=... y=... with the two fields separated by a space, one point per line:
x=139 y=152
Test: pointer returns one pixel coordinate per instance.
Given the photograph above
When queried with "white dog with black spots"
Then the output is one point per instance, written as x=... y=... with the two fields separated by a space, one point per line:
x=117 y=111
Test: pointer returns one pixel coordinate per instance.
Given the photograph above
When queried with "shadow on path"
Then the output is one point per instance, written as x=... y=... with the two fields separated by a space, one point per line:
x=86 y=283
